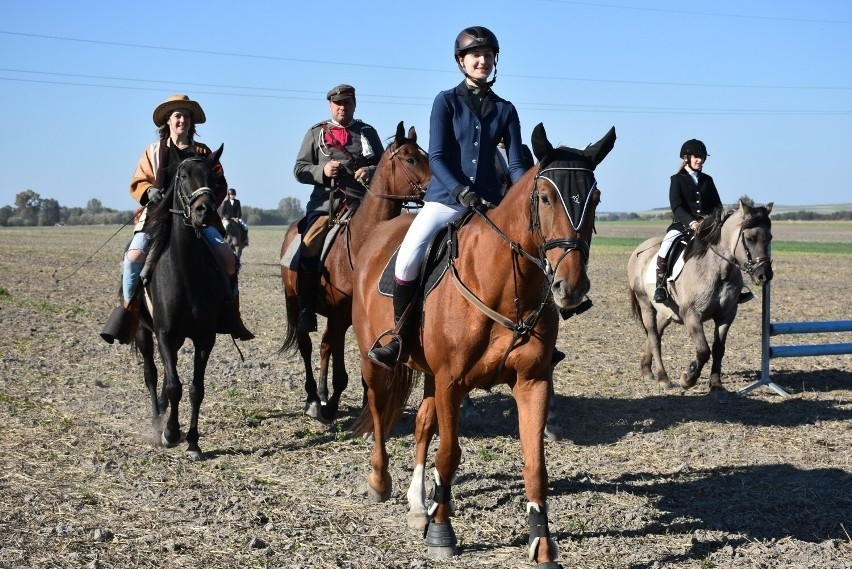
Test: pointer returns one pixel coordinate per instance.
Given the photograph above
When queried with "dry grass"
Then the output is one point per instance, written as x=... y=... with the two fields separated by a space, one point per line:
x=642 y=479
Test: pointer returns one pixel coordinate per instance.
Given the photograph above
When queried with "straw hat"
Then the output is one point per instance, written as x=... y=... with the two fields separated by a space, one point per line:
x=165 y=109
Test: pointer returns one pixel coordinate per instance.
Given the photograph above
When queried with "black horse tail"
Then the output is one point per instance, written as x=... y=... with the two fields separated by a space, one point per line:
x=291 y=305
x=392 y=393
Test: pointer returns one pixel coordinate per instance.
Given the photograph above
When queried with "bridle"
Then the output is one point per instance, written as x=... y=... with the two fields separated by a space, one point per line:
x=752 y=264
x=417 y=188
x=185 y=201
x=521 y=326
x=567 y=244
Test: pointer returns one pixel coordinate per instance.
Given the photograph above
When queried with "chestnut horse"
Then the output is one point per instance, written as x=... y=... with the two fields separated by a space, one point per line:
x=400 y=178
x=491 y=319
x=707 y=288
x=186 y=292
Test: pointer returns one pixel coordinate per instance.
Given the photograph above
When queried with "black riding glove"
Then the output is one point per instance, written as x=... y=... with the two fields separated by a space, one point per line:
x=469 y=198
x=154 y=195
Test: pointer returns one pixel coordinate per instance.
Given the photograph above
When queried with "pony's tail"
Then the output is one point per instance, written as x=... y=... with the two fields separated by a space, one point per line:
x=635 y=309
x=392 y=393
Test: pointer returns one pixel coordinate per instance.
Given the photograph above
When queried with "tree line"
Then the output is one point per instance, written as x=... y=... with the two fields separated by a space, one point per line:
x=31 y=210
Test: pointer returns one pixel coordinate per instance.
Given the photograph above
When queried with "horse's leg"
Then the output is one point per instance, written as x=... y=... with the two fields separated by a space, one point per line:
x=145 y=343
x=339 y=378
x=552 y=430
x=196 y=393
x=312 y=402
x=531 y=396
x=720 y=335
x=424 y=430
x=654 y=325
x=468 y=409
x=172 y=387
x=379 y=483
x=440 y=537
x=695 y=329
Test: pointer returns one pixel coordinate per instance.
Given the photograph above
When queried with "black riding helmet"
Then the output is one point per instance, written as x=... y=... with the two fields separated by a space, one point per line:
x=693 y=147
x=473 y=37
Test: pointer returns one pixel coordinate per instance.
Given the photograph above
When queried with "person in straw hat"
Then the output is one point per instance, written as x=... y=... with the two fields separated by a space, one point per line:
x=175 y=119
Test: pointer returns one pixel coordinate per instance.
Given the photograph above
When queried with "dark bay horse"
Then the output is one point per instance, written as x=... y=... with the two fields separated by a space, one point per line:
x=708 y=287
x=491 y=319
x=184 y=295
x=400 y=178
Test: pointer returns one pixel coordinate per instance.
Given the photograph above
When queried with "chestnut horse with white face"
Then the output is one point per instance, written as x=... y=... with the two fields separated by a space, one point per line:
x=491 y=319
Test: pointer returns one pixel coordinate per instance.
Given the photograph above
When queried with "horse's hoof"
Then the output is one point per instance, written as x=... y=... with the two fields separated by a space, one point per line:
x=665 y=383
x=194 y=455
x=440 y=540
x=417 y=521
x=314 y=411
x=552 y=433
x=377 y=496
x=441 y=552
x=549 y=565
x=687 y=383
x=166 y=442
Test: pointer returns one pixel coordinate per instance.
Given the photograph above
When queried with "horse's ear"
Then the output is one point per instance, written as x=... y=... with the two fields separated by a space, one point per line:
x=541 y=146
x=598 y=151
x=400 y=132
x=412 y=134
x=214 y=158
x=769 y=207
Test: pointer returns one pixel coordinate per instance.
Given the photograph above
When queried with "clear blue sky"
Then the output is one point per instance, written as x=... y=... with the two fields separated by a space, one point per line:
x=765 y=84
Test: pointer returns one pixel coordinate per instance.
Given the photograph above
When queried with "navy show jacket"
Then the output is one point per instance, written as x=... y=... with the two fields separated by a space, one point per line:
x=462 y=146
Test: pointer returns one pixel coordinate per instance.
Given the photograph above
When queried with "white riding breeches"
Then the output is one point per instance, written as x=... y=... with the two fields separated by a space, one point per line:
x=668 y=240
x=412 y=251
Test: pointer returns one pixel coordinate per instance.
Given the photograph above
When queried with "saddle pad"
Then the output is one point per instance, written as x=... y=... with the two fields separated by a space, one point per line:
x=435 y=266
x=290 y=258
x=651 y=270
x=437 y=271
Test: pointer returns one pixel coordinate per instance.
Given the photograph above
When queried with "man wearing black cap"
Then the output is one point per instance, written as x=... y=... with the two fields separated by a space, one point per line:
x=338 y=158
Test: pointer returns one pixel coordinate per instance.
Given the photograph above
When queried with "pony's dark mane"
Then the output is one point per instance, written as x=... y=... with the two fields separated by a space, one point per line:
x=709 y=233
x=710 y=230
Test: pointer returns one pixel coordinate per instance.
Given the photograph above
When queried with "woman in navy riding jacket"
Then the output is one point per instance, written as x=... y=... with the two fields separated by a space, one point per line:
x=467 y=123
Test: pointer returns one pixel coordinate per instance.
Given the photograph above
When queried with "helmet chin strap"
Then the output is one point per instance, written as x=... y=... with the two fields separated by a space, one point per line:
x=479 y=82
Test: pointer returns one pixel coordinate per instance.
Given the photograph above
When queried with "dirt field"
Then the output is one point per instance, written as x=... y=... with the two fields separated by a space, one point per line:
x=642 y=478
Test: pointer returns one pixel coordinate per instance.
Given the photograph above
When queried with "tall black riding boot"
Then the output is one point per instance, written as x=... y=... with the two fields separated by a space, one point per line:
x=230 y=319
x=398 y=348
x=306 y=291
x=661 y=294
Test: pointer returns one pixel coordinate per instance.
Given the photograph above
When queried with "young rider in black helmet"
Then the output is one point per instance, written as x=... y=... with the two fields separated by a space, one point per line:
x=466 y=124
x=692 y=196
